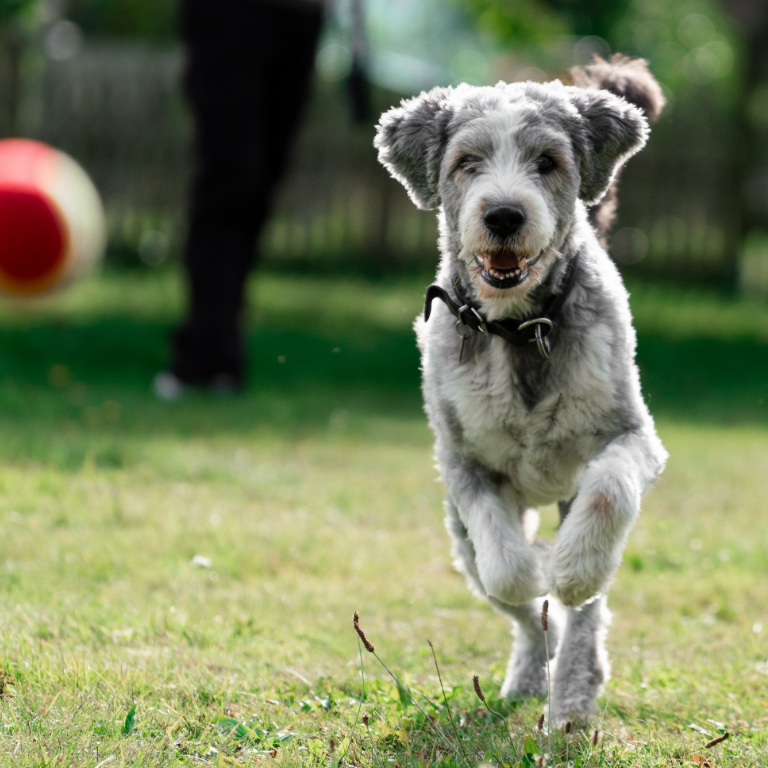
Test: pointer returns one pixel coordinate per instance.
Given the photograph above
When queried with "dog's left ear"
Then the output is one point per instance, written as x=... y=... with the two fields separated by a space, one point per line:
x=611 y=131
x=411 y=139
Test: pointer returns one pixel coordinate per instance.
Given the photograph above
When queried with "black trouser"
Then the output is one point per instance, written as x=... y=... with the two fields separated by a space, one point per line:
x=249 y=65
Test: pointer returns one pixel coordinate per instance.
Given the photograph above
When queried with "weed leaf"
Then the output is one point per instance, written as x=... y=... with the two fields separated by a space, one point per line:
x=404 y=693
x=130 y=721
x=240 y=731
x=248 y=734
x=529 y=746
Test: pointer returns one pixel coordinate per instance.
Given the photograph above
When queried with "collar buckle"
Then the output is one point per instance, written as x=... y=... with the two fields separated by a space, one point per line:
x=460 y=322
x=539 y=338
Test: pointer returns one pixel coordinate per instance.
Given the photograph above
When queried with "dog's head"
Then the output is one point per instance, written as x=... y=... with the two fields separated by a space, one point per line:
x=508 y=164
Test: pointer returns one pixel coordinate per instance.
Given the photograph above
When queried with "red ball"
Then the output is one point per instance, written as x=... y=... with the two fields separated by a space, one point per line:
x=52 y=227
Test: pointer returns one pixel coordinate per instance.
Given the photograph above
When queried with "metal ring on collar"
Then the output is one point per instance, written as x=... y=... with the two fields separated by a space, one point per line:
x=537 y=320
x=483 y=328
x=460 y=322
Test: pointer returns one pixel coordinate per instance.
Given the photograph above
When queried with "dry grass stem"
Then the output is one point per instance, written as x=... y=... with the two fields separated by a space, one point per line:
x=369 y=647
x=481 y=696
x=447 y=706
x=718 y=740
x=478 y=689
x=362 y=695
x=545 y=628
x=366 y=642
x=366 y=721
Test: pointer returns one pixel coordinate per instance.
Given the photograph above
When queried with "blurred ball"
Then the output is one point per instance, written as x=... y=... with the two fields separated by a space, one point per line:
x=52 y=226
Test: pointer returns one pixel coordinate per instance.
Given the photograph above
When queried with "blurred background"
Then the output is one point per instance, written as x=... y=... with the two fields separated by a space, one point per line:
x=100 y=79
x=186 y=554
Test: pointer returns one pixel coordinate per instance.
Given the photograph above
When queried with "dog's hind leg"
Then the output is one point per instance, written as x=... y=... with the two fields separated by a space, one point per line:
x=527 y=669
x=582 y=661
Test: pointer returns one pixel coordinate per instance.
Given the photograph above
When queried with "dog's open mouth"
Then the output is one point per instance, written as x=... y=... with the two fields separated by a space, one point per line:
x=504 y=268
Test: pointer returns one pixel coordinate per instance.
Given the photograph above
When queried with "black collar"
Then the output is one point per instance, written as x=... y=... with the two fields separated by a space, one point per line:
x=516 y=332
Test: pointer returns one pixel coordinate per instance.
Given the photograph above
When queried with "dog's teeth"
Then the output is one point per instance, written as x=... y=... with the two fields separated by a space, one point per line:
x=517 y=273
x=487 y=263
x=523 y=264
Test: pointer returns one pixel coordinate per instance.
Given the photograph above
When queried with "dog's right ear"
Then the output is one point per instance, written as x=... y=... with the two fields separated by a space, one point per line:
x=411 y=139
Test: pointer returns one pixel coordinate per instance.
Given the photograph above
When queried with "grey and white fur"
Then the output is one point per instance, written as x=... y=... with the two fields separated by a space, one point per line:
x=513 y=170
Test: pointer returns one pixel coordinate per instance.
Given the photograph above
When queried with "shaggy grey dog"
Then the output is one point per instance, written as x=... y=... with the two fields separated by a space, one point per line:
x=539 y=401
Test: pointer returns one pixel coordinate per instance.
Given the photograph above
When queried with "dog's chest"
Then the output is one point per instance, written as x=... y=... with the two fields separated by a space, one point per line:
x=528 y=422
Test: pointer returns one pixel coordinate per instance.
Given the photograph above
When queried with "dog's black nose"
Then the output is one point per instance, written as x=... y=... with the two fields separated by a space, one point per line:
x=503 y=220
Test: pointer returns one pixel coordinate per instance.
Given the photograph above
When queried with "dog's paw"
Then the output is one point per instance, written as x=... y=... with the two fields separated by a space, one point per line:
x=577 y=574
x=574 y=594
x=513 y=580
x=526 y=679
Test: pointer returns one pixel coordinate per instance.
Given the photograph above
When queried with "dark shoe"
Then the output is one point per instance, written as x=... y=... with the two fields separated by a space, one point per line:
x=204 y=356
x=169 y=386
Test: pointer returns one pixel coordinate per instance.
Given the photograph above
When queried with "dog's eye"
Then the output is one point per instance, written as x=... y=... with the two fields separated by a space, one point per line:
x=545 y=164
x=468 y=164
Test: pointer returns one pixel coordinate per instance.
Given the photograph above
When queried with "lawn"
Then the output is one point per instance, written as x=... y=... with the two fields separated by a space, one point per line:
x=177 y=580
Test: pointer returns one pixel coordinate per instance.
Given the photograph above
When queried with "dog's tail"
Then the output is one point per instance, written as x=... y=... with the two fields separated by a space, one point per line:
x=631 y=79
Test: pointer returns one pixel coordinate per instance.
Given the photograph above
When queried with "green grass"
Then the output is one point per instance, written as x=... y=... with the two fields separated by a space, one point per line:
x=313 y=495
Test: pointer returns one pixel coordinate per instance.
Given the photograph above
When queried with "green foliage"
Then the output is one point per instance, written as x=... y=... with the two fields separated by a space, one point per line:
x=534 y=22
x=516 y=22
x=591 y=17
x=146 y=19
x=690 y=45
x=15 y=9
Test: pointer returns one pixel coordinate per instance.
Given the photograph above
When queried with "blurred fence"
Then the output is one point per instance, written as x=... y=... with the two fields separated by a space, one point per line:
x=117 y=108
x=119 y=111
x=676 y=198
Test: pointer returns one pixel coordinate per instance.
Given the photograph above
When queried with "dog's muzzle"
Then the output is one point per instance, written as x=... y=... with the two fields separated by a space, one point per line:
x=504 y=269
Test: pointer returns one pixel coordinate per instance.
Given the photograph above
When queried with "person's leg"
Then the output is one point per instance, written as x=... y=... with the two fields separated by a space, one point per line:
x=249 y=67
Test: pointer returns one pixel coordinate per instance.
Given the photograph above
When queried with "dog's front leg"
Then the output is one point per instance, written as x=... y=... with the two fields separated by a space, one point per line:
x=508 y=566
x=588 y=547
x=527 y=669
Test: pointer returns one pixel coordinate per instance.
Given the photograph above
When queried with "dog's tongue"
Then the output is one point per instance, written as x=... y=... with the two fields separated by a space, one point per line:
x=504 y=260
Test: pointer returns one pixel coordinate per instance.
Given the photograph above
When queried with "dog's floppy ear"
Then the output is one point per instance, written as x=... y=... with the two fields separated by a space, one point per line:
x=411 y=139
x=610 y=132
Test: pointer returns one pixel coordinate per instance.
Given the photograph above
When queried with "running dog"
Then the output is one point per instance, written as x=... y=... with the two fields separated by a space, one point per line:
x=528 y=350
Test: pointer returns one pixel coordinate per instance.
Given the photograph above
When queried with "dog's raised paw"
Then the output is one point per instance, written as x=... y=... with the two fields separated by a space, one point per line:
x=579 y=567
x=573 y=586
x=515 y=583
x=574 y=595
